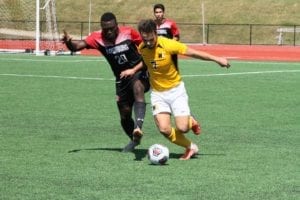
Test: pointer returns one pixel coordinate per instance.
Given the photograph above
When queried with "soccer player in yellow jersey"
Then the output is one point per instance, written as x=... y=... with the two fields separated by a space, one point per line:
x=168 y=93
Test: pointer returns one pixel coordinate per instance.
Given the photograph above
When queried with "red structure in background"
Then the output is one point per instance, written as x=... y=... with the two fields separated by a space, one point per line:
x=30 y=44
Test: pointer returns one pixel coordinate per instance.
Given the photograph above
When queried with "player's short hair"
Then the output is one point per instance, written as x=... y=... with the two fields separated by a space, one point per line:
x=159 y=5
x=108 y=16
x=147 y=26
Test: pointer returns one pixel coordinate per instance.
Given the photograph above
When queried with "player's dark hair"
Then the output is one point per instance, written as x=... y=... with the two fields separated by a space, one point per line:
x=159 y=5
x=108 y=16
x=147 y=26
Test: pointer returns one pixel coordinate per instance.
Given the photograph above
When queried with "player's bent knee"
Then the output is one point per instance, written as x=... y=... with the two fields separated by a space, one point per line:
x=183 y=129
x=165 y=132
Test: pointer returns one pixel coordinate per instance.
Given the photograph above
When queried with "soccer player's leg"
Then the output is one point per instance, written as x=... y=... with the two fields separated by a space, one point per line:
x=194 y=125
x=125 y=105
x=127 y=124
x=139 y=105
x=181 y=112
x=190 y=152
x=181 y=109
x=178 y=138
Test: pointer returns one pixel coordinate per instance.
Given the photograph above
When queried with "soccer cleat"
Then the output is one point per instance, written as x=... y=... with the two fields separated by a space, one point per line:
x=195 y=126
x=190 y=152
x=137 y=135
x=130 y=147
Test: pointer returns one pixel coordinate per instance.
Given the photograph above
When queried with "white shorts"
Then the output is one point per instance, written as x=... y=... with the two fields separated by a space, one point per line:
x=173 y=101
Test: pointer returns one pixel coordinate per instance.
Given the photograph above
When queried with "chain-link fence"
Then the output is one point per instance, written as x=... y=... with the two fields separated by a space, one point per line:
x=239 y=34
x=244 y=34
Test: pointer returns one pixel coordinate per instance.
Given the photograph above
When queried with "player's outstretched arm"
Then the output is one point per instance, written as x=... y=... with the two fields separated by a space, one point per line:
x=73 y=45
x=223 y=62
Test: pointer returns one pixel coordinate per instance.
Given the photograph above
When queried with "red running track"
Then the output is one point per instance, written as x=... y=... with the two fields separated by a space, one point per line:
x=254 y=52
x=244 y=52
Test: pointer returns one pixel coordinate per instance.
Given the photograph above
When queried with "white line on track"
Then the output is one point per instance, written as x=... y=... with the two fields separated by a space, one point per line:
x=111 y=79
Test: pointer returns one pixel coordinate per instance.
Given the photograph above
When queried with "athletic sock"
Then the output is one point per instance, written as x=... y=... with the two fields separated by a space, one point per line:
x=139 y=111
x=179 y=138
x=190 y=122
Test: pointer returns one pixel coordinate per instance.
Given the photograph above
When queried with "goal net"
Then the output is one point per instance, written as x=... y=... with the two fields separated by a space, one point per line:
x=29 y=26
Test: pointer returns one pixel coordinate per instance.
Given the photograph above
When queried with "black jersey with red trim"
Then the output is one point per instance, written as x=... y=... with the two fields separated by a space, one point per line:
x=168 y=29
x=121 y=55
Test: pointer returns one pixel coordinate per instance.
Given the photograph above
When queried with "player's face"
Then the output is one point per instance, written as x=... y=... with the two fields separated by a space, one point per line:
x=159 y=14
x=149 y=39
x=110 y=30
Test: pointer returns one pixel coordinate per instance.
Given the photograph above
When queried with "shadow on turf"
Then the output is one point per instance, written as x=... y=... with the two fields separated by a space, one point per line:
x=140 y=153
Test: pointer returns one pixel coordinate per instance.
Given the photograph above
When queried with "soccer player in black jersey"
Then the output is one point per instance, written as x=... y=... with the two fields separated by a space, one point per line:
x=165 y=27
x=118 y=44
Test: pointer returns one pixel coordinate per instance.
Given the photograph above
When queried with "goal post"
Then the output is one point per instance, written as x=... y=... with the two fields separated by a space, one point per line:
x=37 y=27
x=29 y=26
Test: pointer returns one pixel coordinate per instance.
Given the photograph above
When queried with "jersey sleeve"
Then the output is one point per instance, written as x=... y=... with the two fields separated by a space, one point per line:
x=175 y=47
x=136 y=37
x=91 y=40
x=174 y=29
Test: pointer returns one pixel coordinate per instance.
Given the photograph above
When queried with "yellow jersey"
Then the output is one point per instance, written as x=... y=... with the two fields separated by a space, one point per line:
x=163 y=73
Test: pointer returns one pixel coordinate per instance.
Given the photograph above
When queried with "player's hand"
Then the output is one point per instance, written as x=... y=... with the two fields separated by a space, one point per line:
x=66 y=37
x=223 y=62
x=127 y=73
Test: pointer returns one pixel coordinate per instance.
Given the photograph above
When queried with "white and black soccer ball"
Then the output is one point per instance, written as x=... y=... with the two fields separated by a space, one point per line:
x=158 y=154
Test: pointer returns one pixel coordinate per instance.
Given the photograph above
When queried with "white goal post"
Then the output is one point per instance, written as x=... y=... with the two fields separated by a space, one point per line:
x=29 y=26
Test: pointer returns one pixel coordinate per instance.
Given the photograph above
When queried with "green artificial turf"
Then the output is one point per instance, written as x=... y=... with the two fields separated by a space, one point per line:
x=60 y=136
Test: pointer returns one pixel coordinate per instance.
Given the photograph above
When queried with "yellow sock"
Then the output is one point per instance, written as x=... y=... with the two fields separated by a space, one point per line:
x=178 y=138
x=190 y=122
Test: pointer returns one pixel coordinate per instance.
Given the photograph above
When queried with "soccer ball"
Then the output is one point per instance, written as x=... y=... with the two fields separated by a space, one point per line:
x=158 y=154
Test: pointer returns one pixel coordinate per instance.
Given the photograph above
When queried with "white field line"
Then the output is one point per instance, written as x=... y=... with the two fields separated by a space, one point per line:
x=50 y=60
x=242 y=73
x=248 y=62
x=58 y=77
x=102 y=59
x=111 y=79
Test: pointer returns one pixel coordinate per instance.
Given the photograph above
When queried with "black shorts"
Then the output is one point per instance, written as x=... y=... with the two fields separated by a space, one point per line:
x=124 y=88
